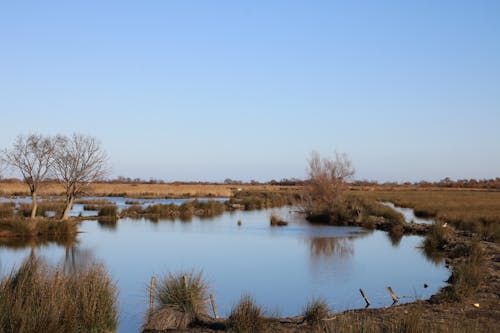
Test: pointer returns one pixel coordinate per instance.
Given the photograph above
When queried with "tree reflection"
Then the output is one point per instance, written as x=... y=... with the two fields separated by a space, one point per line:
x=78 y=259
x=108 y=224
x=395 y=238
x=331 y=246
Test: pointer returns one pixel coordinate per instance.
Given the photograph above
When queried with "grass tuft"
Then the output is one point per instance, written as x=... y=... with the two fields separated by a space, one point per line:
x=315 y=311
x=184 y=292
x=246 y=316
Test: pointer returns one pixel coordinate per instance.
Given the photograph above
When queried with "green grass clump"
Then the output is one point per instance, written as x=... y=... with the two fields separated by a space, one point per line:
x=17 y=226
x=209 y=208
x=276 y=220
x=108 y=211
x=187 y=210
x=37 y=230
x=315 y=311
x=133 y=210
x=7 y=209
x=252 y=200
x=436 y=239
x=36 y=298
x=184 y=292
x=162 y=210
x=466 y=276
x=246 y=316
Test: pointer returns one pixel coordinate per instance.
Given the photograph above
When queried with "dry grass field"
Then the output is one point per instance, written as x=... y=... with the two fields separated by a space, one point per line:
x=140 y=190
x=477 y=211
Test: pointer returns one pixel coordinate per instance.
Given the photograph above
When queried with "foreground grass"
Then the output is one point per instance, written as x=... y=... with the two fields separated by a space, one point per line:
x=37 y=298
x=474 y=211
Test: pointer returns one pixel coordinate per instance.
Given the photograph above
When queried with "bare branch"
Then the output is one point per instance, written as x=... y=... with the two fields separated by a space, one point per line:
x=32 y=156
x=79 y=161
x=326 y=183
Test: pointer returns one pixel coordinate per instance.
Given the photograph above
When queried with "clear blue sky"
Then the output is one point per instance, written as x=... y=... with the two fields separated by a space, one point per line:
x=208 y=90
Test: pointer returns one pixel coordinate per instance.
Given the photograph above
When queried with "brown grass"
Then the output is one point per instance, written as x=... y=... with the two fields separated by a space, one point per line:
x=469 y=210
x=170 y=190
x=246 y=317
x=37 y=298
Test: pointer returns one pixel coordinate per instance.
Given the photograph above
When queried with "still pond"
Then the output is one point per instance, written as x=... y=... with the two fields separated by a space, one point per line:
x=281 y=267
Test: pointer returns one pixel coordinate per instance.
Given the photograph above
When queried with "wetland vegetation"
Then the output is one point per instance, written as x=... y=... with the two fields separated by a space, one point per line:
x=464 y=221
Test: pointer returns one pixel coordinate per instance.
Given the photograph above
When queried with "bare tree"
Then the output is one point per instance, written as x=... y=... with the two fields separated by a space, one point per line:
x=32 y=156
x=326 y=183
x=2 y=165
x=79 y=161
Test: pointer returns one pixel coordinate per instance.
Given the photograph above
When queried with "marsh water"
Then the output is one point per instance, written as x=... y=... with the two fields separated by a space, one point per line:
x=408 y=214
x=281 y=267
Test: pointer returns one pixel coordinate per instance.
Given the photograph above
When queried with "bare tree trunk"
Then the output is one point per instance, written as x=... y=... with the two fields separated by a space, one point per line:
x=67 y=209
x=34 y=204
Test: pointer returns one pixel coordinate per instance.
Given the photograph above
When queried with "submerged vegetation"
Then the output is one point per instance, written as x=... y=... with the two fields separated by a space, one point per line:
x=37 y=298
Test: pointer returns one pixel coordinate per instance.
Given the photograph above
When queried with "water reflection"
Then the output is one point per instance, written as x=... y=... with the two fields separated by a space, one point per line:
x=395 y=237
x=281 y=267
x=36 y=242
x=328 y=247
x=77 y=259
x=108 y=224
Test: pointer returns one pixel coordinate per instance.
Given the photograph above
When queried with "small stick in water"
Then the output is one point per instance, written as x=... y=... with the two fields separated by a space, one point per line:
x=393 y=295
x=364 y=297
x=214 y=307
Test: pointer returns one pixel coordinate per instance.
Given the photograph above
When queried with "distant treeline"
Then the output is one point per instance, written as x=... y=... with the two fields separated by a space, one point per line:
x=444 y=183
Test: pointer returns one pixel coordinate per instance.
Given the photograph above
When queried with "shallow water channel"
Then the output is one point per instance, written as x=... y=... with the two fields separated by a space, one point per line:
x=281 y=267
